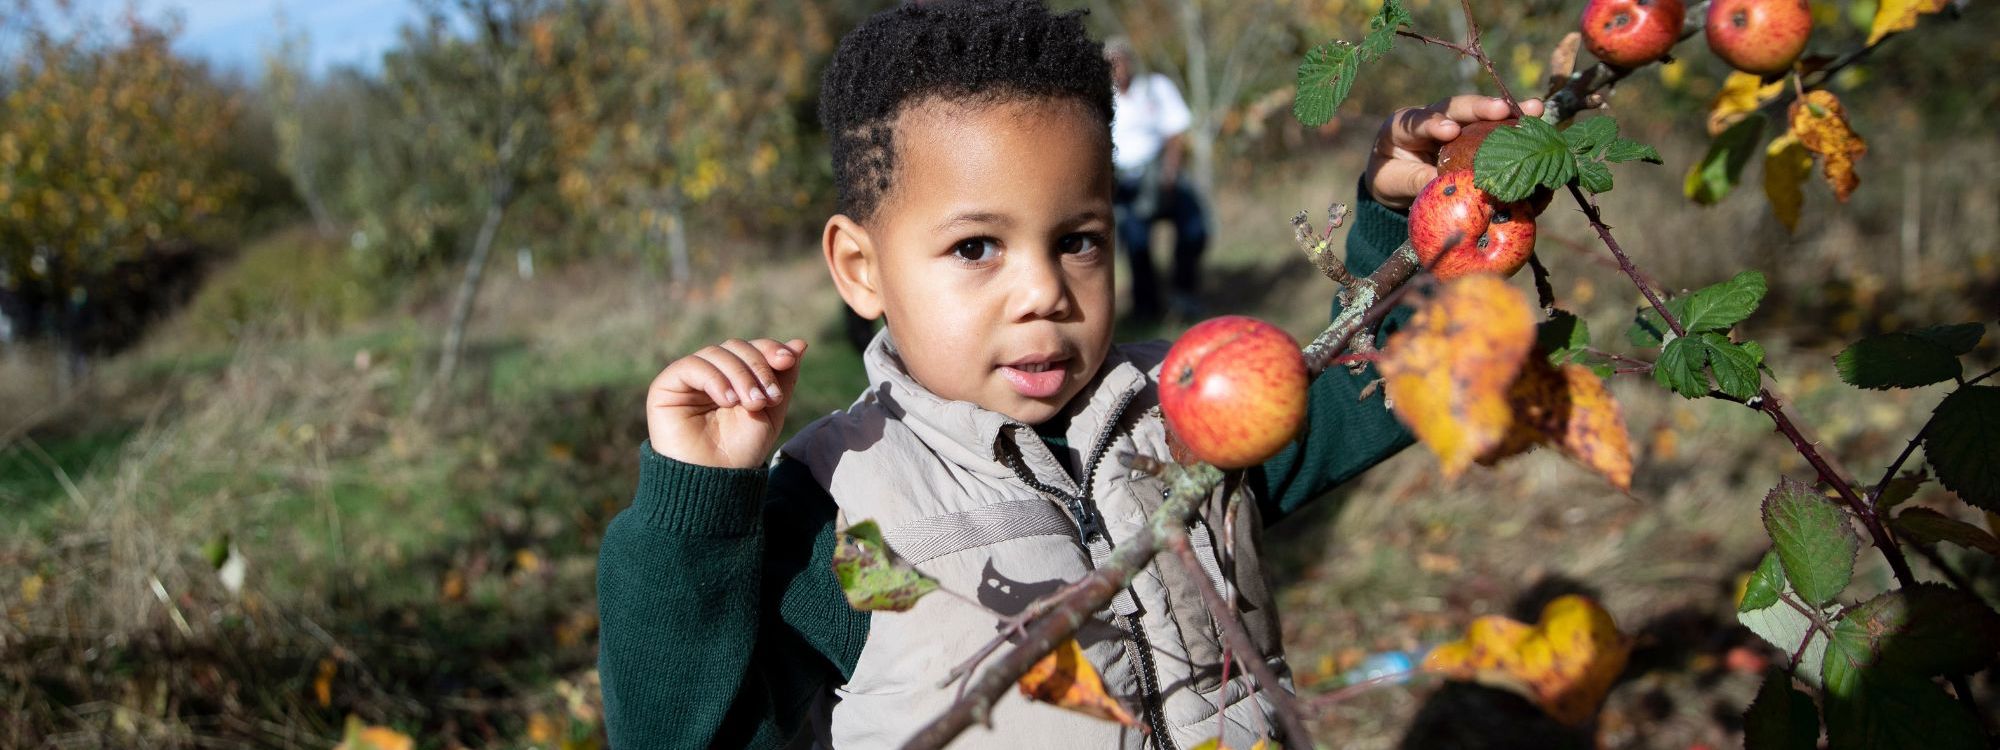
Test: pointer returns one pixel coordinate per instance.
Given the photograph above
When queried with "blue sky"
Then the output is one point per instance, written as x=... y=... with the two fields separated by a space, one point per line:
x=233 y=34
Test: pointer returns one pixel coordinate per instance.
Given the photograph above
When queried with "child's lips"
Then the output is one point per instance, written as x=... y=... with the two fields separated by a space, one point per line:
x=1037 y=380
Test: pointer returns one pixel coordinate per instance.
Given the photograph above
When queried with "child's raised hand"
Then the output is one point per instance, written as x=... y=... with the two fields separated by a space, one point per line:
x=724 y=405
x=1406 y=149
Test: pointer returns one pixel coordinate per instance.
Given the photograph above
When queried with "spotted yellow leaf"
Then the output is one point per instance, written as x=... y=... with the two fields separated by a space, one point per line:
x=1448 y=372
x=1066 y=679
x=1820 y=124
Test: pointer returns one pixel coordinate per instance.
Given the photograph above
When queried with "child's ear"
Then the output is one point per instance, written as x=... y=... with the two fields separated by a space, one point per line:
x=850 y=257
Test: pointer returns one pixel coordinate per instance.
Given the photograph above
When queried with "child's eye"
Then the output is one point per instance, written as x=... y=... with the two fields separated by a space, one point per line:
x=1082 y=243
x=976 y=249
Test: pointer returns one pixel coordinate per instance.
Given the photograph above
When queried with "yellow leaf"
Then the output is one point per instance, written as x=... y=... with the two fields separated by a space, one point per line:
x=1787 y=163
x=541 y=729
x=363 y=737
x=1565 y=663
x=323 y=682
x=1448 y=372
x=1821 y=126
x=1742 y=93
x=1066 y=679
x=1571 y=409
x=1900 y=15
x=31 y=588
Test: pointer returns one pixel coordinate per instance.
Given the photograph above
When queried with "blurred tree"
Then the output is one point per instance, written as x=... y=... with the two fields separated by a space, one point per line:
x=475 y=84
x=300 y=156
x=674 y=105
x=112 y=145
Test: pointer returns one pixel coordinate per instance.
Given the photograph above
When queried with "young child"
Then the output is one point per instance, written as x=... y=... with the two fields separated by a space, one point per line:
x=972 y=153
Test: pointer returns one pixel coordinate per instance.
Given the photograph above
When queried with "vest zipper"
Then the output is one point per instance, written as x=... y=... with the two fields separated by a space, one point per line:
x=1089 y=525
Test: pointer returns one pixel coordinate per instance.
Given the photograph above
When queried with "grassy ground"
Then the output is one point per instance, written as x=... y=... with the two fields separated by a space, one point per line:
x=436 y=575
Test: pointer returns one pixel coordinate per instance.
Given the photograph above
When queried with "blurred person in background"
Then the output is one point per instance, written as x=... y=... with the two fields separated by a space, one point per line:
x=1148 y=148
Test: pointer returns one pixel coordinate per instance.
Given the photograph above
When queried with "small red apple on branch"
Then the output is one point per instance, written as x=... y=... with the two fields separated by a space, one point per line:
x=1758 y=36
x=1233 y=390
x=1631 y=33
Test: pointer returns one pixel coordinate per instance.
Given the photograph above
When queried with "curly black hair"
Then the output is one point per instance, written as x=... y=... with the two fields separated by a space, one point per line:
x=963 y=50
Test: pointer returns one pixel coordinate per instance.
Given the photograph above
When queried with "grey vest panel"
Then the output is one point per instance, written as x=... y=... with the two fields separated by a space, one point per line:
x=936 y=476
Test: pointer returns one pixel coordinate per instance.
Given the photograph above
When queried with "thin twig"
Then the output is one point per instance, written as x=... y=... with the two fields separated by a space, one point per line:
x=1238 y=637
x=1544 y=292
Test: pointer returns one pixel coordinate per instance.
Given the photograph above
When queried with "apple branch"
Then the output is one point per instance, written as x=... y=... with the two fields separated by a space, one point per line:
x=1765 y=401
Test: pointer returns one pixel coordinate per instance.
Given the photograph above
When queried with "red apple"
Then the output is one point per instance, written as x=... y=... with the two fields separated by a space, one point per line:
x=1233 y=390
x=1459 y=230
x=1631 y=33
x=1759 y=36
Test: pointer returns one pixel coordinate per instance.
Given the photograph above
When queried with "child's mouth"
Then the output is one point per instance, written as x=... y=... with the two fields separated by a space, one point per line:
x=1036 y=379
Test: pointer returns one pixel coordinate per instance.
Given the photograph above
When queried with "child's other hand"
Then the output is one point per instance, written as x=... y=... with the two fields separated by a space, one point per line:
x=1405 y=154
x=724 y=406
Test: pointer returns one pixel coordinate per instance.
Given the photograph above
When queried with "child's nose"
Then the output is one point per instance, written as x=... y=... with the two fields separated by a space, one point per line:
x=1041 y=290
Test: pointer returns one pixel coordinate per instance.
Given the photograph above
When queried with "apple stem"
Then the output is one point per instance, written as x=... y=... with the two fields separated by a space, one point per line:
x=1543 y=290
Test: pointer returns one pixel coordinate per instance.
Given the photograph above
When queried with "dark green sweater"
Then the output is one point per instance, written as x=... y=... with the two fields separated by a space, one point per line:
x=719 y=617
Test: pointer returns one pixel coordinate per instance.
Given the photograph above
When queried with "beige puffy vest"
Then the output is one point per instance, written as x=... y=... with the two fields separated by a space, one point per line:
x=950 y=485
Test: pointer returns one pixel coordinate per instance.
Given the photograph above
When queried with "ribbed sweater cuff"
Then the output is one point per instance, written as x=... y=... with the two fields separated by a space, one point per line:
x=697 y=500
x=1378 y=230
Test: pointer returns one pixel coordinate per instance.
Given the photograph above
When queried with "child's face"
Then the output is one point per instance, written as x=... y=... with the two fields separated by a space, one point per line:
x=991 y=253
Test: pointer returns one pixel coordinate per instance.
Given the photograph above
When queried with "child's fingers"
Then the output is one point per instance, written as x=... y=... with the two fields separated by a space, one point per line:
x=784 y=361
x=731 y=357
x=1398 y=180
x=1531 y=107
x=693 y=381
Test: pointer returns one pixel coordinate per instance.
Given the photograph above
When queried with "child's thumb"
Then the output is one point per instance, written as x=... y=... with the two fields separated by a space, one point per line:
x=789 y=376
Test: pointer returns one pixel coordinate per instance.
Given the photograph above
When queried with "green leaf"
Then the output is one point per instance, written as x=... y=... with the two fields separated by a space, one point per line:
x=1896 y=360
x=1735 y=364
x=1593 y=176
x=1880 y=659
x=1625 y=149
x=1563 y=336
x=1325 y=77
x=1590 y=135
x=1515 y=160
x=1711 y=179
x=1900 y=490
x=1925 y=630
x=872 y=576
x=1926 y=526
x=1648 y=328
x=1813 y=541
x=1785 y=628
x=1680 y=368
x=1718 y=306
x=1765 y=583
x=1878 y=711
x=1715 y=307
x=1957 y=339
x=1382 y=29
x=1781 y=718
x=1963 y=445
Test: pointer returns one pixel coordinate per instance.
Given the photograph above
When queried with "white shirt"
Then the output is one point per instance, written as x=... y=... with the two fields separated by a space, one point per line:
x=1144 y=116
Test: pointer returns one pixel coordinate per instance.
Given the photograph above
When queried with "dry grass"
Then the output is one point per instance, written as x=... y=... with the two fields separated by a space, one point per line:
x=434 y=562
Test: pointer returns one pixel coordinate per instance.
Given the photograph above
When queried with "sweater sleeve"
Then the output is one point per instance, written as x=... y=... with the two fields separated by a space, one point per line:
x=719 y=618
x=1344 y=433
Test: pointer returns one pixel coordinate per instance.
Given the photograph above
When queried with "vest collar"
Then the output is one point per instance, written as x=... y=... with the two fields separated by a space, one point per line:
x=972 y=436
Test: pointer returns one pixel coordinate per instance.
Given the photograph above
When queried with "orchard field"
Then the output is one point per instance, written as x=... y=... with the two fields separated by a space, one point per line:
x=267 y=521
